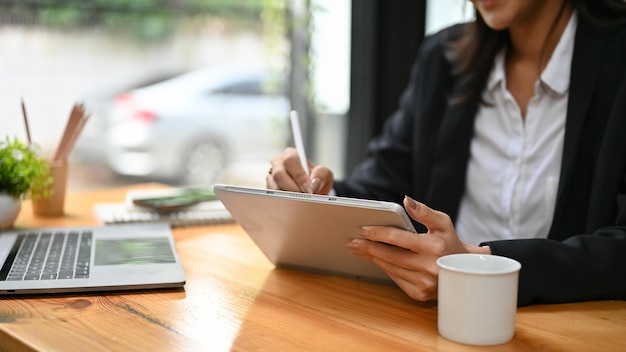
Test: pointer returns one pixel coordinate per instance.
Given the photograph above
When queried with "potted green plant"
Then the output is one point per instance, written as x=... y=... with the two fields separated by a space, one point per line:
x=23 y=174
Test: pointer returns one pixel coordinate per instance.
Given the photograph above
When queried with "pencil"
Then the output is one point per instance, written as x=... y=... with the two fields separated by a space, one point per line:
x=26 y=121
x=73 y=128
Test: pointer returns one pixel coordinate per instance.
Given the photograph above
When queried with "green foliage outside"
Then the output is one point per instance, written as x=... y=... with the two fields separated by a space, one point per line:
x=144 y=20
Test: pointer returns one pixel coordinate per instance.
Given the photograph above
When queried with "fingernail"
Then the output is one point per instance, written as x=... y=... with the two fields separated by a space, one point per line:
x=306 y=188
x=353 y=244
x=363 y=231
x=410 y=202
x=317 y=184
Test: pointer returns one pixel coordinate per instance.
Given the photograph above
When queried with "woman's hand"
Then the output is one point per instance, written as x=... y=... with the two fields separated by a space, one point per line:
x=286 y=173
x=410 y=259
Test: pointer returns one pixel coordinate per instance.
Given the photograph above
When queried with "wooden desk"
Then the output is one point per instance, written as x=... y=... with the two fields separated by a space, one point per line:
x=234 y=299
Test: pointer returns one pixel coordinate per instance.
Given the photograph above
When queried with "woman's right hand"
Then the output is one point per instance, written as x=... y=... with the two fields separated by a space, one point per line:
x=286 y=173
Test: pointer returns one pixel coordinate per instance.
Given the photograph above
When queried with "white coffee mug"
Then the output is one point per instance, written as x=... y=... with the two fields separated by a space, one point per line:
x=477 y=298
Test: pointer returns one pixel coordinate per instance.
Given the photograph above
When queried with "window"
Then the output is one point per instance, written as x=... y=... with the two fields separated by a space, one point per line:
x=142 y=70
x=161 y=80
x=443 y=13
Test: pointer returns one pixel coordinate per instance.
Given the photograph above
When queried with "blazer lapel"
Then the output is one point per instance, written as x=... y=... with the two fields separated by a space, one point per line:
x=586 y=65
x=452 y=155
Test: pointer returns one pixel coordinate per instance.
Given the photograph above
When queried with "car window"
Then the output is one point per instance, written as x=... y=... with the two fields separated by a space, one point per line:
x=251 y=87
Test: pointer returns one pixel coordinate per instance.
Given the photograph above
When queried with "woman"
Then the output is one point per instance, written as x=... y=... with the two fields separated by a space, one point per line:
x=513 y=128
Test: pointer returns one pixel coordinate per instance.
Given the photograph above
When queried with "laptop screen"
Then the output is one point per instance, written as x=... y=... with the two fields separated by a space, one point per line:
x=133 y=251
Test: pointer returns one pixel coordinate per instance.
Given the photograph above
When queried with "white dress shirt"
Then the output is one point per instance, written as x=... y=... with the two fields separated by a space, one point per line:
x=514 y=166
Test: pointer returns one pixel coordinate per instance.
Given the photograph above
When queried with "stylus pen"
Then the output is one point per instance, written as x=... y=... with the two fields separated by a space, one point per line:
x=297 y=137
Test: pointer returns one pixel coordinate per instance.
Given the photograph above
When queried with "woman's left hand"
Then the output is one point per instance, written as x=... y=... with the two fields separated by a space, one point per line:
x=409 y=259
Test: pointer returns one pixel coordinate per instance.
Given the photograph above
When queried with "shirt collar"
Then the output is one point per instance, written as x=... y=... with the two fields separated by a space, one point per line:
x=497 y=73
x=556 y=75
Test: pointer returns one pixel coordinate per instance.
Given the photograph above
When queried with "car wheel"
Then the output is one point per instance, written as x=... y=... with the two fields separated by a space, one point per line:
x=204 y=163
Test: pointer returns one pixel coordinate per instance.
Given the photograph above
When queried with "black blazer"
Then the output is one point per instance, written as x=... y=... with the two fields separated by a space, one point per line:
x=423 y=152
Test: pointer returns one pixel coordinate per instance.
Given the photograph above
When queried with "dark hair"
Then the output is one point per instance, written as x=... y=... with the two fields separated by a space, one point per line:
x=474 y=51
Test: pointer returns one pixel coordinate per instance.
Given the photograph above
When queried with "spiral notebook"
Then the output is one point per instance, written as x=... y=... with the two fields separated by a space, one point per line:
x=204 y=213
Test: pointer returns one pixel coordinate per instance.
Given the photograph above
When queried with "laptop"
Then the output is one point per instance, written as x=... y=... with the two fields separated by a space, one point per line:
x=309 y=232
x=88 y=259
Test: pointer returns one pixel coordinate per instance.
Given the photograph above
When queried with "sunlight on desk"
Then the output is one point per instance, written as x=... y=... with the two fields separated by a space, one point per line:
x=225 y=292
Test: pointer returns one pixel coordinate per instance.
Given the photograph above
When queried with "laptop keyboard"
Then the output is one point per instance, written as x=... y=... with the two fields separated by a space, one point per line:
x=49 y=255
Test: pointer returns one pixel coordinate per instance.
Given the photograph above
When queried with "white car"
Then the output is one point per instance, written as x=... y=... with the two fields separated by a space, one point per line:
x=190 y=127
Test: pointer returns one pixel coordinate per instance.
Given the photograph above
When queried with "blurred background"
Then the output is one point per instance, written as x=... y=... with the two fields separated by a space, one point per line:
x=198 y=91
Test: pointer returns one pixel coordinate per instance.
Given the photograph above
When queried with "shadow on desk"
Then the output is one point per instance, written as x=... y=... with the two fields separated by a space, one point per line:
x=95 y=294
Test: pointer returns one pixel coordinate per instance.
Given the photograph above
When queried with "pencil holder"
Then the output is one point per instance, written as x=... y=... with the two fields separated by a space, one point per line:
x=55 y=204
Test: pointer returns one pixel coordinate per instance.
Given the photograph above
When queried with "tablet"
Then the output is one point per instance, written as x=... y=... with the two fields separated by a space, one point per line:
x=309 y=232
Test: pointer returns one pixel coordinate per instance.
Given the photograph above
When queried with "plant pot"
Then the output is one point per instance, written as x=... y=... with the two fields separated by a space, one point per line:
x=9 y=210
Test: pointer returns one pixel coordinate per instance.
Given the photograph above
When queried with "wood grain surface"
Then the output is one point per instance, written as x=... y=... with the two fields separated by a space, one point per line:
x=235 y=300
